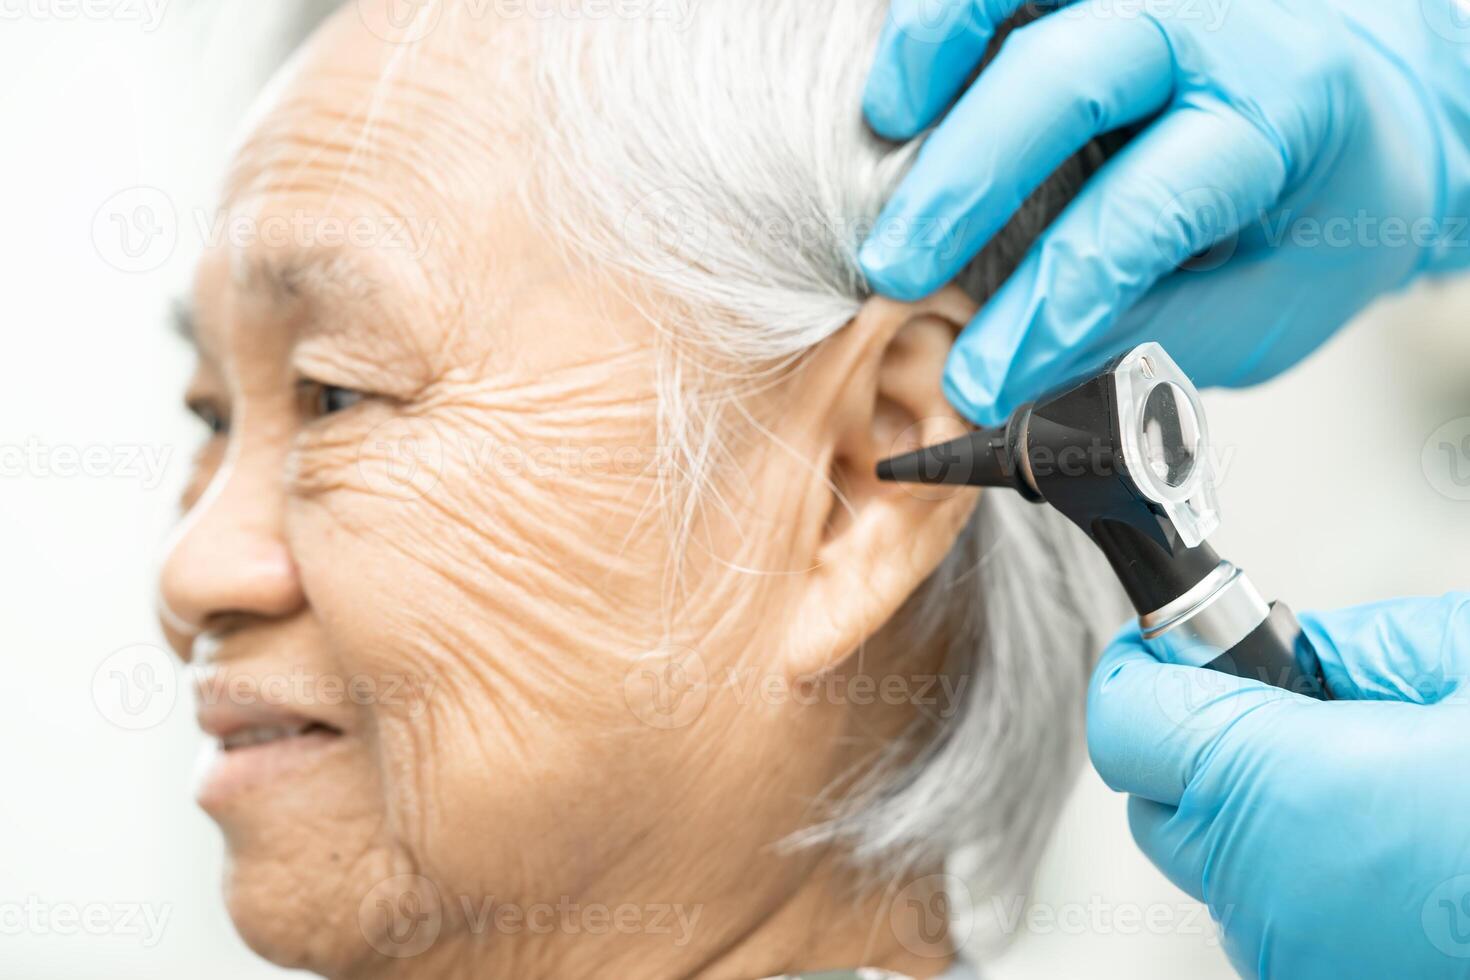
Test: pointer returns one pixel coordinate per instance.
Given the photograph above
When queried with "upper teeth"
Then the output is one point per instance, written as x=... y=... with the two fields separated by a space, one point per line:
x=263 y=733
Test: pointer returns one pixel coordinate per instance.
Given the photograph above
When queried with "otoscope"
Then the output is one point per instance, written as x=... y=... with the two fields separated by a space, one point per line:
x=1123 y=454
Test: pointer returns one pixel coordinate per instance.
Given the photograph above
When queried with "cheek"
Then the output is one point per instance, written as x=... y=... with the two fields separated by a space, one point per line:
x=496 y=567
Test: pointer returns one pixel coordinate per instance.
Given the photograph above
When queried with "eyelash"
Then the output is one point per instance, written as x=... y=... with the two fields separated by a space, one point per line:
x=315 y=398
x=210 y=414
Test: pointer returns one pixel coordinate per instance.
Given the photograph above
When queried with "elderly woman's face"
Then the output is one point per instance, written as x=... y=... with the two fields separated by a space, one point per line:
x=456 y=690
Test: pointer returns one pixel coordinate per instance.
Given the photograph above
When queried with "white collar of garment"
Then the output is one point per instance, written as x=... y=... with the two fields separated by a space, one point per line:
x=960 y=970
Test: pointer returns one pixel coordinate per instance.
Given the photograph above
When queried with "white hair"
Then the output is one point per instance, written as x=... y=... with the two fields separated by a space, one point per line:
x=715 y=151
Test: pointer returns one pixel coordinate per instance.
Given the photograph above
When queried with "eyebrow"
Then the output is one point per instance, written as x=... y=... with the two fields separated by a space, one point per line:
x=183 y=323
x=284 y=282
x=312 y=281
x=325 y=274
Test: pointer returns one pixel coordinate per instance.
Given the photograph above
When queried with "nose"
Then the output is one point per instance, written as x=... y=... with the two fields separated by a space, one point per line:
x=228 y=561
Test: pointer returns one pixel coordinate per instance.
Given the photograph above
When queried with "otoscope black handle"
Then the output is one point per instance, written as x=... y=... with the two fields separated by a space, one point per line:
x=1185 y=617
x=1277 y=653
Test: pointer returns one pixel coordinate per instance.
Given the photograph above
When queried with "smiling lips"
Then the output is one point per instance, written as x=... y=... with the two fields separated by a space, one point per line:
x=261 y=734
x=255 y=745
x=238 y=726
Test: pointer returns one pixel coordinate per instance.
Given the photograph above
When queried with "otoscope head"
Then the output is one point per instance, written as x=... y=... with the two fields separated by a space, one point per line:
x=1120 y=451
x=1128 y=444
x=1123 y=453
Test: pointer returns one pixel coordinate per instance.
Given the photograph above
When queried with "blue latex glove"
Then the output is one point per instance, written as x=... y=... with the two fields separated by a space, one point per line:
x=1297 y=144
x=1329 y=839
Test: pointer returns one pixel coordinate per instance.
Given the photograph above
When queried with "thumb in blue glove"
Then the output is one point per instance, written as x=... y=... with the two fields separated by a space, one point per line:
x=1328 y=839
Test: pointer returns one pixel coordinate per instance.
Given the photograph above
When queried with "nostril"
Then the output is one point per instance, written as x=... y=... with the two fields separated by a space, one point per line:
x=179 y=633
x=225 y=622
x=219 y=576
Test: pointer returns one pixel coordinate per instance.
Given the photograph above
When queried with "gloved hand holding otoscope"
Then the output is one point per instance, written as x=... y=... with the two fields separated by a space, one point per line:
x=1124 y=454
x=1310 y=789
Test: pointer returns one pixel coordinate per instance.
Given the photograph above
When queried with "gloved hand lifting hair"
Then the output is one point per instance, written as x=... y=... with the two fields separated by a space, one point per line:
x=1297 y=158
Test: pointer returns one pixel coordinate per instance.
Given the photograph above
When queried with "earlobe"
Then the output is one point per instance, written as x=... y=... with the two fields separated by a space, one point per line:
x=880 y=540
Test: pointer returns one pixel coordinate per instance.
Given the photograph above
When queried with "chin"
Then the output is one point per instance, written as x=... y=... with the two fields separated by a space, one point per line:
x=289 y=918
x=302 y=852
x=349 y=920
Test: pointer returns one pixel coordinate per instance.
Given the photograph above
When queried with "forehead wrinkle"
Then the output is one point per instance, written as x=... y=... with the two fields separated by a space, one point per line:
x=310 y=128
x=405 y=173
x=358 y=129
x=417 y=120
x=289 y=156
x=380 y=125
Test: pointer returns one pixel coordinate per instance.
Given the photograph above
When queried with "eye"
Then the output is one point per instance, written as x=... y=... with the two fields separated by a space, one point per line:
x=318 y=399
x=211 y=415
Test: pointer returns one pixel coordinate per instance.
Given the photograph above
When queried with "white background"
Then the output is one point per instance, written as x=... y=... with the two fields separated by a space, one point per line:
x=1325 y=499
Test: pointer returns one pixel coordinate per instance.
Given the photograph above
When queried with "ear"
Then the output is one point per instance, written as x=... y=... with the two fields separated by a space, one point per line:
x=876 y=387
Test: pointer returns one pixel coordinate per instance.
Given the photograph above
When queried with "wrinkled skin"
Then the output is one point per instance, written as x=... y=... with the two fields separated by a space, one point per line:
x=512 y=749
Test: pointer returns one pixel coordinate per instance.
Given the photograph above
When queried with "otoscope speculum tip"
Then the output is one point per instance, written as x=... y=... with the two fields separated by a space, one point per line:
x=975 y=460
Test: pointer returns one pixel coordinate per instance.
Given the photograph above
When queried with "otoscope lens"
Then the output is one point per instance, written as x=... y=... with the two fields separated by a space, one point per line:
x=1170 y=433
